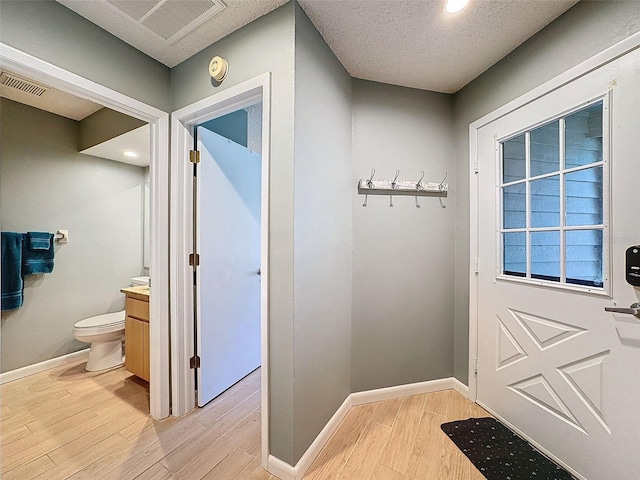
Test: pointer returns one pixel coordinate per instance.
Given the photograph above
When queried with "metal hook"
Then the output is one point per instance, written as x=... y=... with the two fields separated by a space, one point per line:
x=394 y=185
x=419 y=184
x=365 y=200
x=442 y=182
x=417 y=204
x=442 y=204
x=370 y=181
x=391 y=200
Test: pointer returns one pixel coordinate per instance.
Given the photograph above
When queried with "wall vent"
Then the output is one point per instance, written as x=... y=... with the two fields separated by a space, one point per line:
x=168 y=19
x=27 y=86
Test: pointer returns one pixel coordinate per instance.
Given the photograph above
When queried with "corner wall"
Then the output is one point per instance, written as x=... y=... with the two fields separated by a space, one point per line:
x=403 y=284
x=322 y=234
x=583 y=31
x=45 y=184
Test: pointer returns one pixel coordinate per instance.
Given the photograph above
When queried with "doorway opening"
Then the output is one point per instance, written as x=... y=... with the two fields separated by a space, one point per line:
x=36 y=70
x=249 y=222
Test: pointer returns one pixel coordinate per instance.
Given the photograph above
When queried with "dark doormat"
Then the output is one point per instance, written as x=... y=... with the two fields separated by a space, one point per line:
x=499 y=453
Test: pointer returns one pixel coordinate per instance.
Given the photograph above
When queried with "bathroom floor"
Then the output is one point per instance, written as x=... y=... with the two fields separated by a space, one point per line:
x=68 y=423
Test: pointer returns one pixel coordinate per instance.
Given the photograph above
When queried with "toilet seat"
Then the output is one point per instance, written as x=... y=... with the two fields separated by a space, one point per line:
x=106 y=323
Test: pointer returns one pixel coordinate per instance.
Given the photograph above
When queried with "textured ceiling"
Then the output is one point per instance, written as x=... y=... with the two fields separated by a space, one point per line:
x=236 y=14
x=415 y=43
x=412 y=43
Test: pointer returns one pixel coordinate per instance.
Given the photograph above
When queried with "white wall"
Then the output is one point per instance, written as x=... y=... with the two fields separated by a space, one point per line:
x=402 y=325
x=583 y=31
x=45 y=184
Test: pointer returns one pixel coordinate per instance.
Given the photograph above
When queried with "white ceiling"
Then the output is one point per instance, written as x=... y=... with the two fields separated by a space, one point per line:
x=412 y=43
x=415 y=43
x=109 y=14
x=22 y=90
x=136 y=141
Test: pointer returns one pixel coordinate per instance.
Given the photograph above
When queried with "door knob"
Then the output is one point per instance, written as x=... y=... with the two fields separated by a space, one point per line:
x=634 y=309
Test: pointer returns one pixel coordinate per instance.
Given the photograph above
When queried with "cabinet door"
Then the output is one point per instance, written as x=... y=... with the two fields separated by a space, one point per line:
x=134 y=346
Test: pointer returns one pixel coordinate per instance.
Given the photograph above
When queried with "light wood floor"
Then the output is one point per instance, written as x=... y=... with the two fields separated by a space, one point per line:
x=399 y=439
x=68 y=423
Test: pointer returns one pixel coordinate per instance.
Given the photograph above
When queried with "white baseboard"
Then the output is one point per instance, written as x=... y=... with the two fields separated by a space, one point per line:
x=18 y=373
x=284 y=471
x=321 y=440
x=388 y=393
x=461 y=388
x=280 y=469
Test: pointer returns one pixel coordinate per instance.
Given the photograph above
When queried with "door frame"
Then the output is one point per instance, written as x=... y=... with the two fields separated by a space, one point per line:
x=606 y=56
x=24 y=64
x=183 y=123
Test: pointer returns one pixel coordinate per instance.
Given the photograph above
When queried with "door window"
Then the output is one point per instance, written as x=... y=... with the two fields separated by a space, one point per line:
x=552 y=202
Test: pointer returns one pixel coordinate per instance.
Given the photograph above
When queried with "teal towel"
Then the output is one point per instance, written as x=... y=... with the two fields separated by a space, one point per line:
x=12 y=285
x=39 y=240
x=39 y=260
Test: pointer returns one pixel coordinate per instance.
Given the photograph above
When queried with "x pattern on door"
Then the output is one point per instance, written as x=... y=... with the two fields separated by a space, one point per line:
x=583 y=375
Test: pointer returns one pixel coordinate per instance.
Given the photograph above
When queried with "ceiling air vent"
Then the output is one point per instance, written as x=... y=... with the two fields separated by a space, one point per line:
x=27 y=86
x=168 y=19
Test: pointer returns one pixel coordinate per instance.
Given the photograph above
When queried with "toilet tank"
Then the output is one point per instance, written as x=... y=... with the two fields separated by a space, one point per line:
x=139 y=281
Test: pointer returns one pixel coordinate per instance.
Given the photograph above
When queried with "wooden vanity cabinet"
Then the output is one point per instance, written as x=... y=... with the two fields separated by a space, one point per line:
x=136 y=335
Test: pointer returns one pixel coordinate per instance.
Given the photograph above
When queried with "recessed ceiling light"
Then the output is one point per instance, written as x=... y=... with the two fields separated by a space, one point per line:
x=454 y=6
x=130 y=154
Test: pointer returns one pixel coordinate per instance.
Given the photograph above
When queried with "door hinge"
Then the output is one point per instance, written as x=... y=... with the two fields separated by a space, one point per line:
x=194 y=259
x=475 y=367
x=476 y=266
x=194 y=156
x=194 y=362
x=475 y=166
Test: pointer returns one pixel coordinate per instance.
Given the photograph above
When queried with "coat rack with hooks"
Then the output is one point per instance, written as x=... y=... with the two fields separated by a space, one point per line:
x=402 y=187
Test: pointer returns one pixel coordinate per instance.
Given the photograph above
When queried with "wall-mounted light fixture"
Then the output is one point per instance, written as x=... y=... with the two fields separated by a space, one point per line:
x=218 y=68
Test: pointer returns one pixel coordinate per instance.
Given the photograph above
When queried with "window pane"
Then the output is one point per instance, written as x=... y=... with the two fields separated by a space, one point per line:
x=545 y=149
x=584 y=257
x=513 y=159
x=515 y=253
x=545 y=202
x=583 y=137
x=545 y=255
x=583 y=190
x=514 y=206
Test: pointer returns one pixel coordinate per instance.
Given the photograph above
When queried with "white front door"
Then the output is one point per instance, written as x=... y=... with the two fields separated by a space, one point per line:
x=228 y=283
x=558 y=207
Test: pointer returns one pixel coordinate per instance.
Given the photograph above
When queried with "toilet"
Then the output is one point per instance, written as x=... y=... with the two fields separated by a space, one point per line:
x=105 y=334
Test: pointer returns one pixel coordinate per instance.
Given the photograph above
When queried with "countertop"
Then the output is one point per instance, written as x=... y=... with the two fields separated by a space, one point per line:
x=139 y=293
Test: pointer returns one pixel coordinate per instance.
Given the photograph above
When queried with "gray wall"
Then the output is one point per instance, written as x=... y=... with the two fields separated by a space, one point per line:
x=52 y=32
x=232 y=126
x=265 y=45
x=45 y=184
x=586 y=29
x=322 y=234
x=402 y=262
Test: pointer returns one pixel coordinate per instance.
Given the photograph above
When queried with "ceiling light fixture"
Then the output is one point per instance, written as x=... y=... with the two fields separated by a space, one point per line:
x=130 y=154
x=454 y=6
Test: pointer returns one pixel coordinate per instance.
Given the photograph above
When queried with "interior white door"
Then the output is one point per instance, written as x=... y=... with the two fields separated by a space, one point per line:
x=552 y=363
x=228 y=281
